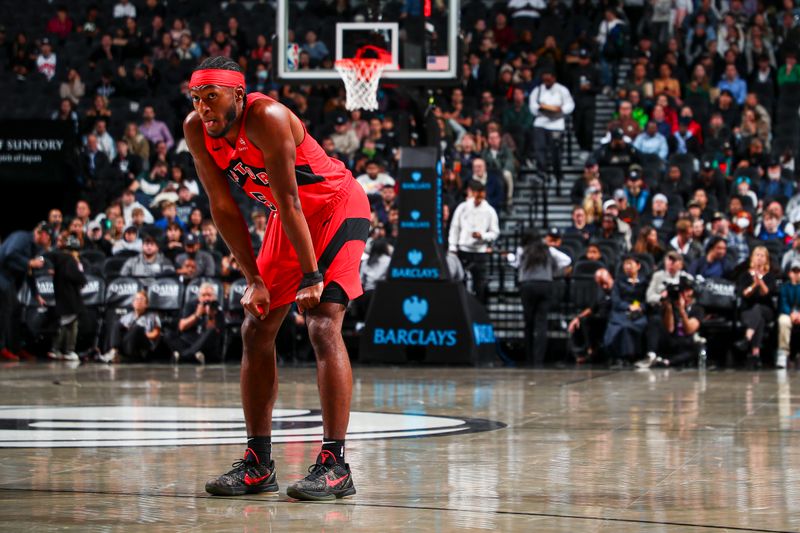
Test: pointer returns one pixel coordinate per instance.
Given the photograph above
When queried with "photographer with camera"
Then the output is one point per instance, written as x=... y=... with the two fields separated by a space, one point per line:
x=674 y=337
x=200 y=329
x=658 y=290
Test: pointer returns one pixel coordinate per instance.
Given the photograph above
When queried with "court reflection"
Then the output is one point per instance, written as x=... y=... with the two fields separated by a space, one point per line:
x=582 y=451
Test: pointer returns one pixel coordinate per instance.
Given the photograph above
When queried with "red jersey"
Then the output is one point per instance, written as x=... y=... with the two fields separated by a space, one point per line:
x=319 y=176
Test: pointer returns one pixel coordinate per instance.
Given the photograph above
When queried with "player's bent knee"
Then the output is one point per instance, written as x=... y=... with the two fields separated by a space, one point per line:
x=258 y=331
x=323 y=332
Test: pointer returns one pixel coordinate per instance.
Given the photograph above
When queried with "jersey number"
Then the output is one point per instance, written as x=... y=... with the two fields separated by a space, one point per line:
x=263 y=199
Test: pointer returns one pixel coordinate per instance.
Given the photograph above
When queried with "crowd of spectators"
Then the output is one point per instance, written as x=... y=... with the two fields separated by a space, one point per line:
x=695 y=179
x=700 y=153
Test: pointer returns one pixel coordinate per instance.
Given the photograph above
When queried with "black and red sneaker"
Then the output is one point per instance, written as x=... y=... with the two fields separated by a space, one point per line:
x=326 y=480
x=248 y=476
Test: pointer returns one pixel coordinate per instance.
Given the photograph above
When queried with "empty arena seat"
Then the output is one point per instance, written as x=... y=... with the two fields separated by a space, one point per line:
x=587 y=268
x=120 y=292
x=165 y=295
x=38 y=321
x=113 y=266
x=91 y=322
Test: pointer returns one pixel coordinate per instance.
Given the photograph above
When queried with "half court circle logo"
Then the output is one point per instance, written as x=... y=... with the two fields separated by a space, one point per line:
x=103 y=426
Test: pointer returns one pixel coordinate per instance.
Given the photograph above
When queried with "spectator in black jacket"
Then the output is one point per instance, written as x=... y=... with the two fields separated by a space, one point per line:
x=95 y=239
x=716 y=134
x=673 y=185
x=580 y=226
x=68 y=279
x=126 y=165
x=683 y=141
x=95 y=166
x=712 y=181
x=618 y=152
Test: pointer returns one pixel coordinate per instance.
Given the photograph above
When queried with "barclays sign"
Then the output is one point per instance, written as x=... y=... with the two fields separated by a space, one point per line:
x=483 y=333
x=415 y=308
x=415 y=222
x=416 y=183
x=415 y=257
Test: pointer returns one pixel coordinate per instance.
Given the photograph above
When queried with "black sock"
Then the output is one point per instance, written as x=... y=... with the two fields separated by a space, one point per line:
x=262 y=447
x=336 y=447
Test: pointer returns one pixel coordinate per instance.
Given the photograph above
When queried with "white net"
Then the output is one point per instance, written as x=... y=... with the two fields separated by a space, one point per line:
x=361 y=78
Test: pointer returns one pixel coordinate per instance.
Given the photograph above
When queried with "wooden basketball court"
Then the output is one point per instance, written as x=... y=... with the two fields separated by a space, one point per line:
x=129 y=448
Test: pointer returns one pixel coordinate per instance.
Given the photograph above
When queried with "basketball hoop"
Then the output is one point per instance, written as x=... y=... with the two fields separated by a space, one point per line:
x=361 y=76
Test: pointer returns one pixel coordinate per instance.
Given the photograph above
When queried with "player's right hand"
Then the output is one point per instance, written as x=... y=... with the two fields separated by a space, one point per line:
x=256 y=299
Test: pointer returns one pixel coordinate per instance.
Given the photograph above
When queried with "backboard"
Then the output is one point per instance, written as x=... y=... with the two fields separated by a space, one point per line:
x=420 y=37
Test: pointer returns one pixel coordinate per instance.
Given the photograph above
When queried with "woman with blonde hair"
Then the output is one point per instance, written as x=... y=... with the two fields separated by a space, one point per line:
x=138 y=143
x=756 y=286
x=593 y=202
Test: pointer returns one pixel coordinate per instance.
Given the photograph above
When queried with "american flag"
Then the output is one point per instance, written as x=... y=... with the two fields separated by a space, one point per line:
x=438 y=63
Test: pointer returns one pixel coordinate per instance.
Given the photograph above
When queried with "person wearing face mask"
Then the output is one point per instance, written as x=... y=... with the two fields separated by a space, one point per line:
x=741 y=219
x=260 y=82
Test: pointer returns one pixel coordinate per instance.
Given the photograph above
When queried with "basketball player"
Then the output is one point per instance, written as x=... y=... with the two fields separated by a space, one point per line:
x=316 y=233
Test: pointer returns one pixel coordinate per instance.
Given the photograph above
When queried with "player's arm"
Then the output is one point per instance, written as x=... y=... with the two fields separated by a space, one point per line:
x=269 y=128
x=227 y=216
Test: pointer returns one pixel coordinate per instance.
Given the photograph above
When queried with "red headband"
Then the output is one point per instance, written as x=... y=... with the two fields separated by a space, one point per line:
x=214 y=76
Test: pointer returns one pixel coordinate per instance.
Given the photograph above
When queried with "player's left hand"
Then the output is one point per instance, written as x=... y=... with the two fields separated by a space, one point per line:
x=308 y=297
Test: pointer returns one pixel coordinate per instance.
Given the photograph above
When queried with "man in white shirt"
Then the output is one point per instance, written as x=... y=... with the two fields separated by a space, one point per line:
x=124 y=9
x=46 y=60
x=374 y=180
x=549 y=103
x=652 y=142
x=474 y=226
x=129 y=203
x=344 y=136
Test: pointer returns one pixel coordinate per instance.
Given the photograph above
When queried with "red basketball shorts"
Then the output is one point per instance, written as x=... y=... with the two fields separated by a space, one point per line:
x=339 y=233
